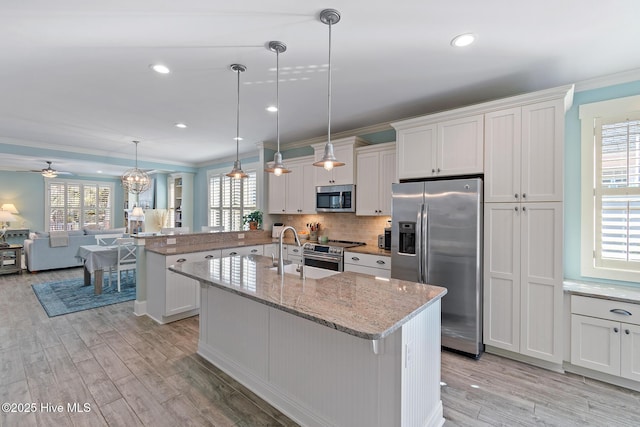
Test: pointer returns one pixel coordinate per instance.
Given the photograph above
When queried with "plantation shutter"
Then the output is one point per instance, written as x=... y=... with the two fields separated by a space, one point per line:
x=73 y=205
x=230 y=199
x=617 y=193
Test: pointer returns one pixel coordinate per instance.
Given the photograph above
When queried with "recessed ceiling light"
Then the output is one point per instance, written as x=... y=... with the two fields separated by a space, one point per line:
x=463 y=40
x=180 y=125
x=159 y=68
x=272 y=108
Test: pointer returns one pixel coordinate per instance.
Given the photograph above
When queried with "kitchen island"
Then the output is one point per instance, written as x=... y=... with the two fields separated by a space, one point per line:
x=345 y=350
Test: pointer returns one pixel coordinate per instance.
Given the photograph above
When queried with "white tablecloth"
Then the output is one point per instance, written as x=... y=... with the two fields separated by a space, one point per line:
x=98 y=257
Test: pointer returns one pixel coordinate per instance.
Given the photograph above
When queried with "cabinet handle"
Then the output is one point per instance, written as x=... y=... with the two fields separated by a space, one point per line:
x=516 y=196
x=233 y=253
x=433 y=171
x=296 y=250
x=626 y=331
x=516 y=209
x=380 y=261
x=615 y=330
x=620 y=311
x=438 y=170
x=253 y=251
x=524 y=208
x=355 y=258
x=181 y=260
x=524 y=195
x=209 y=257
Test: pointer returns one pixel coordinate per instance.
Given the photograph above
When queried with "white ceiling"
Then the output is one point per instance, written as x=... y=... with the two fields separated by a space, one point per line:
x=75 y=74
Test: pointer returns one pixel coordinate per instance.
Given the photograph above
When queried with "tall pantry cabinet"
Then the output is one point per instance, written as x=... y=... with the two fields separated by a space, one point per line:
x=523 y=230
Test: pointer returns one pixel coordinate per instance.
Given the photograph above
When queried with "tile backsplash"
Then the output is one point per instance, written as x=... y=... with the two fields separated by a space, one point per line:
x=340 y=226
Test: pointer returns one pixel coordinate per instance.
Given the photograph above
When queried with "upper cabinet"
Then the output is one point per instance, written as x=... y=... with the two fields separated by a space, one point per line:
x=376 y=172
x=344 y=151
x=523 y=153
x=294 y=192
x=432 y=146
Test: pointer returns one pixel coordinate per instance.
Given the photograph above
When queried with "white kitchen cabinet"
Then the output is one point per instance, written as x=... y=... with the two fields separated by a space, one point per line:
x=524 y=153
x=294 y=254
x=431 y=148
x=523 y=279
x=294 y=192
x=243 y=250
x=172 y=296
x=376 y=172
x=344 y=151
x=605 y=336
x=375 y=265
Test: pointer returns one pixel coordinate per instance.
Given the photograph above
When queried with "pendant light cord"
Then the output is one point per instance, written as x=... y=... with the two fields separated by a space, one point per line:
x=278 y=96
x=238 y=119
x=329 y=91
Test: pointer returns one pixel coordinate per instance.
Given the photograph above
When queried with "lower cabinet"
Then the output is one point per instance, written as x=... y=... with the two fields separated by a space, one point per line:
x=243 y=250
x=375 y=265
x=171 y=296
x=605 y=336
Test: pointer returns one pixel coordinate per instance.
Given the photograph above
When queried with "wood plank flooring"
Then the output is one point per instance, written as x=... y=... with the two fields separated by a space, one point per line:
x=133 y=372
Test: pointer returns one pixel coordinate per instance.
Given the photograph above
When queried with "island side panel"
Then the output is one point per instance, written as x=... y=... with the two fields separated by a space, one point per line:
x=421 y=402
x=333 y=375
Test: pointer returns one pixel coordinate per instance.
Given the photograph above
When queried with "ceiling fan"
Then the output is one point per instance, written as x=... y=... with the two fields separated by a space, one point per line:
x=49 y=172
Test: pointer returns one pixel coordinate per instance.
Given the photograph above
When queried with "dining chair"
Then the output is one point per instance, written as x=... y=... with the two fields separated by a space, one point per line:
x=126 y=257
x=107 y=239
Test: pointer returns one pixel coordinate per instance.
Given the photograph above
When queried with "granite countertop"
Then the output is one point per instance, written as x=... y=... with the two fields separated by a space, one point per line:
x=354 y=303
x=603 y=290
x=369 y=249
x=206 y=246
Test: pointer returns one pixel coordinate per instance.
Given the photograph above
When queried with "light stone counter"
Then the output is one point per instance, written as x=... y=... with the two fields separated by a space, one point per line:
x=603 y=290
x=356 y=304
x=369 y=249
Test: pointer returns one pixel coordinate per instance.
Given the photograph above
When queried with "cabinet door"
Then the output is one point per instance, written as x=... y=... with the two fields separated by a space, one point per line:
x=595 y=344
x=541 y=281
x=295 y=189
x=368 y=188
x=417 y=152
x=181 y=293
x=341 y=175
x=630 y=351
x=308 y=188
x=460 y=146
x=277 y=193
x=503 y=133
x=502 y=276
x=387 y=177
x=542 y=151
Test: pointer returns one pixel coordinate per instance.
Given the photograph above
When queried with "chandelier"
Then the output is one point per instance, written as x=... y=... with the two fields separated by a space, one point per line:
x=134 y=180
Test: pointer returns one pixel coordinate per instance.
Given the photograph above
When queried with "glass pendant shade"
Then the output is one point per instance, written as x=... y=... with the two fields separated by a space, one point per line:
x=278 y=167
x=237 y=172
x=134 y=180
x=329 y=161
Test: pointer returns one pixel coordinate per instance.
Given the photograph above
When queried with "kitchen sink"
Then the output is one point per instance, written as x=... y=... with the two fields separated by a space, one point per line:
x=309 y=272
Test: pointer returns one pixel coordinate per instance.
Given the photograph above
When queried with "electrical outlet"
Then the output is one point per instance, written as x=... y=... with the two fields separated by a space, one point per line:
x=408 y=354
x=289 y=218
x=171 y=241
x=240 y=236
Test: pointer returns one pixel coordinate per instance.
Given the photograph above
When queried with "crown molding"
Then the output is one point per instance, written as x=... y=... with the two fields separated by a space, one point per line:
x=608 y=80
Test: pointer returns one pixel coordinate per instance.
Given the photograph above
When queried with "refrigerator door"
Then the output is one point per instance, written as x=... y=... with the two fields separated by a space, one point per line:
x=453 y=242
x=407 y=202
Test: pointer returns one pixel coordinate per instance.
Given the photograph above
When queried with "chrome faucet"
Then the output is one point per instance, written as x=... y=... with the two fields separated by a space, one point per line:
x=280 y=257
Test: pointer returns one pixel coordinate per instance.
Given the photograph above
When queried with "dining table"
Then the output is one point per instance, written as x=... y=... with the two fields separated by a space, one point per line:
x=96 y=259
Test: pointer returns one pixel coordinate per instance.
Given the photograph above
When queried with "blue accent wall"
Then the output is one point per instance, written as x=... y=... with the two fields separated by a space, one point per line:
x=572 y=184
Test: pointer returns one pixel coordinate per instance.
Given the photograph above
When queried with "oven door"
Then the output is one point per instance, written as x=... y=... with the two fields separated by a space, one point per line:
x=321 y=261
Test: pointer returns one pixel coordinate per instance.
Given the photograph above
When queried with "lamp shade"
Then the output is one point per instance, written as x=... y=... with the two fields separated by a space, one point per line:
x=137 y=213
x=9 y=207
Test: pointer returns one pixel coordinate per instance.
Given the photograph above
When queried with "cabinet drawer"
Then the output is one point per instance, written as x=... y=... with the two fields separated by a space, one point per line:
x=294 y=250
x=190 y=257
x=606 y=309
x=368 y=260
x=243 y=250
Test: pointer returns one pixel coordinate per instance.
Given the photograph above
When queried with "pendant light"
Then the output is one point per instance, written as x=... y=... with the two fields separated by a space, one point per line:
x=278 y=167
x=329 y=161
x=134 y=180
x=237 y=172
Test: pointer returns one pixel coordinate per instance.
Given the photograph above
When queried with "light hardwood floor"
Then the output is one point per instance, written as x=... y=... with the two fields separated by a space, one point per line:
x=134 y=372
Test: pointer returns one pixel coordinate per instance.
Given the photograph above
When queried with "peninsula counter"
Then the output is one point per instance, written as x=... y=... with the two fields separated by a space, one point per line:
x=346 y=350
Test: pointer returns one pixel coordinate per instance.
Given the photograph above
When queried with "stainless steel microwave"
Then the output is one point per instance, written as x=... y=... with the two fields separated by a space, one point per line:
x=336 y=198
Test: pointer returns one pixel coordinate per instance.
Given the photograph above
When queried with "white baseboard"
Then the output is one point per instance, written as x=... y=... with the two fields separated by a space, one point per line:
x=140 y=308
x=525 y=359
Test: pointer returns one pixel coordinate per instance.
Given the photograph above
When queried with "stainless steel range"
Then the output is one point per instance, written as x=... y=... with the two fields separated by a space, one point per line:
x=328 y=255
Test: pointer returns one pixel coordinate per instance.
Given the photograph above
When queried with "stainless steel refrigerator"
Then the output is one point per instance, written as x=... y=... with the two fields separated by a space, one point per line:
x=436 y=238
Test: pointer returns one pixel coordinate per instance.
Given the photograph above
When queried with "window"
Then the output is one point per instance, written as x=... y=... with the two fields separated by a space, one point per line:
x=611 y=189
x=230 y=199
x=73 y=205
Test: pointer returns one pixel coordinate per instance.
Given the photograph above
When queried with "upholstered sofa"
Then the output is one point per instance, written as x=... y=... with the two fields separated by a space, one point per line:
x=42 y=252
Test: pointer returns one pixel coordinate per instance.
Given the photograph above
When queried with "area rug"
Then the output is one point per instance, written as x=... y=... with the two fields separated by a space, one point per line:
x=69 y=296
